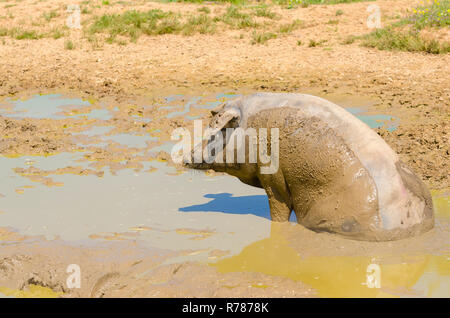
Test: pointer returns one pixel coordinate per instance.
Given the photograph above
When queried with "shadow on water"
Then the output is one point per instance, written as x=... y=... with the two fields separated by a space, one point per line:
x=227 y=203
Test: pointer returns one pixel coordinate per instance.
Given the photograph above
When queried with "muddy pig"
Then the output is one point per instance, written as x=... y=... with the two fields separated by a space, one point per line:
x=330 y=168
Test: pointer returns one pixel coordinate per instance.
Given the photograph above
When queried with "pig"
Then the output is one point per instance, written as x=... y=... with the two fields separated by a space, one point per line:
x=333 y=171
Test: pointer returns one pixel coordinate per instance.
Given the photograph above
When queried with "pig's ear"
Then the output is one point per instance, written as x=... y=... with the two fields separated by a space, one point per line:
x=218 y=109
x=229 y=118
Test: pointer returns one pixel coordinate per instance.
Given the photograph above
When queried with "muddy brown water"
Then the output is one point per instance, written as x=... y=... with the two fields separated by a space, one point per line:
x=127 y=193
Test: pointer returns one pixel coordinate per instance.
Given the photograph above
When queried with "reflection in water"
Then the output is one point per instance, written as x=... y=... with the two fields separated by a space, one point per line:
x=187 y=108
x=340 y=276
x=53 y=106
x=43 y=106
x=375 y=121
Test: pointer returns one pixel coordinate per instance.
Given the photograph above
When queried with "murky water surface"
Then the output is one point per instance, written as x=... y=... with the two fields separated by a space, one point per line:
x=137 y=197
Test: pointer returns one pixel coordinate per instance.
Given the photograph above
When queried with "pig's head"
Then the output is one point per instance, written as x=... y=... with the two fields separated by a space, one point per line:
x=223 y=117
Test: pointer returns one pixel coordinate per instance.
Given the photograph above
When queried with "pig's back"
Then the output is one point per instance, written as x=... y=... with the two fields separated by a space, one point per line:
x=373 y=152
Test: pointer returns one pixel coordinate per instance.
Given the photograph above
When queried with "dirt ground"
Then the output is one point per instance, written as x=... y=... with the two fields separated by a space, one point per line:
x=411 y=86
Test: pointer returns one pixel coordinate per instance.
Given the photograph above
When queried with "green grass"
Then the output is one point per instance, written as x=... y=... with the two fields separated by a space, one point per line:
x=350 y=39
x=434 y=14
x=68 y=45
x=264 y=11
x=314 y=43
x=405 y=34
x=306 y=3
x=85 y=10
x=391 y=39
x=166 y=26
x=21 y=34
x=57 y=33
x=333 y=1
x=236 y=19
x=24 y=34
x=262 y=37
x=202 y=24
x=235 y=2
x=204 y=10
x=133 y=23
x=288 y=28
x=48 y=16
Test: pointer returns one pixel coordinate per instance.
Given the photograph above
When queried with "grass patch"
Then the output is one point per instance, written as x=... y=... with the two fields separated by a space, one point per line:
x=350 y=39
x=57 y=33
x=262 y=37
x=405 y=34
x=202 y=24
x=168 y=25
x=235 y=2
x=288 y=28
x=21 y=34
x=314 y=43
x=433 y=14
x=390 y=39
x=204 y=10
x=305 y=3
x=85 y=10
x=48 y=16
x=236 y=19
x=134 y=23
x=68 y=45
x=265 y=12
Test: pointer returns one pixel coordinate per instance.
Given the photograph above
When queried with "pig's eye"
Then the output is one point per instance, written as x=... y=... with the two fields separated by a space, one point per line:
x=233 y=123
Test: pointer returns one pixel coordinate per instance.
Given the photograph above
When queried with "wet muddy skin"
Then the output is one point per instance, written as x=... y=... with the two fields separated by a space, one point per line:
x=86 y=173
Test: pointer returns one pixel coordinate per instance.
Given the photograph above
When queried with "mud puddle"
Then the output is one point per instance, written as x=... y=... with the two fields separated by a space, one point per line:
x=115 y=183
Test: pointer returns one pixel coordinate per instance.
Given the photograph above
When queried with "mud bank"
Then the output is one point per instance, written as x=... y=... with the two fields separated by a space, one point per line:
x=90 y=182
x=87 y=179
